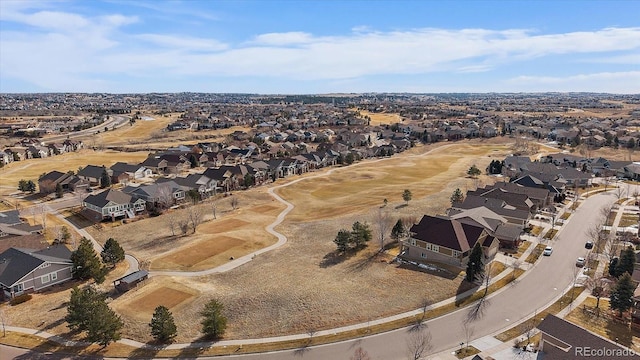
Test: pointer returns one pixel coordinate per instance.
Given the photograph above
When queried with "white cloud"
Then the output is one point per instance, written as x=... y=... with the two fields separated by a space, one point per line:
x=627 y=82
x=64 y=45
x=282 y=39
x=183 y=42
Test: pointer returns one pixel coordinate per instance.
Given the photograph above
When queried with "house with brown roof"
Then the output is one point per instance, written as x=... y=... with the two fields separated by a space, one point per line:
x=562 y=340
x=446 y=240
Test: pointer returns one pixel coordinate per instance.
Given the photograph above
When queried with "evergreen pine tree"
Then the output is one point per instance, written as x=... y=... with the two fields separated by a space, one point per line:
x=627 y=262
x=86 y=263
x=112 y=253
x=214 y=322
x=398 y=230
x=622 y=294
x=163 y=327
x=475 y=266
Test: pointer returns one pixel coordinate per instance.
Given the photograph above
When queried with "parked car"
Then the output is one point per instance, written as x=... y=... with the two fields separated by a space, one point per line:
x=580 y=262
x=588 y=245
x=547 y=251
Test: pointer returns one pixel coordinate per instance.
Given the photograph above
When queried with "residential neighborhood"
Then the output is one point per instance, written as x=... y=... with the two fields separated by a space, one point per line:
x=515 y=206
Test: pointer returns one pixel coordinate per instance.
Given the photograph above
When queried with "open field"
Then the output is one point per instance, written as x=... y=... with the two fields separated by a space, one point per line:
x=233 y=233
x=381 y=118
x=31 y=169
x=303 y=284
x=140 y=303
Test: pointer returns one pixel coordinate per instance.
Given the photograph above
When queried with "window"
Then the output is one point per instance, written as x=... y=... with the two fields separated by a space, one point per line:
x=18 y=288
x=413 y=242
x=456 y=253
x=423 y=255
x=44 y=265
x=428 y=246
x=45 y=279
x=54 y=276
x=435 y=248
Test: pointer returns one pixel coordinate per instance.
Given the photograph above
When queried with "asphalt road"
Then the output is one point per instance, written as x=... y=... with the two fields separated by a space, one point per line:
x=533 y=292
x=114 y=121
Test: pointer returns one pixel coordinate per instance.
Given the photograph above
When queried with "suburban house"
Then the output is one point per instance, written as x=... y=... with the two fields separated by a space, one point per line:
x=12 y=224
x=498 y=206
x=28 y=270
x=446 y=240
x=111 y=203
x=93 y=173
x=135 y=171
x=48 y=183
x=506 y=232
x=163 y=194
x=205 y=186
x=562 y=340
x=155 y=164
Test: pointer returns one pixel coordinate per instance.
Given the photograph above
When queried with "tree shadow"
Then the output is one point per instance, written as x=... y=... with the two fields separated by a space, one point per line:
x=194 y=349
x=432 y=270
x=401 y=206
x=149 y=351
x=619 y=331
x=364 y=263
x=465 y=289
x=54 y=324
x=335 y=257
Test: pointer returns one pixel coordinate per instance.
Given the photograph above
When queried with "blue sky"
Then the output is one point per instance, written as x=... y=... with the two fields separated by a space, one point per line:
x=304 y=47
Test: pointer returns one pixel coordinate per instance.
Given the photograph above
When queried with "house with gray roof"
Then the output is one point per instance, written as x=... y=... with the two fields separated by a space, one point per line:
x=111 y=204
x=29 y=270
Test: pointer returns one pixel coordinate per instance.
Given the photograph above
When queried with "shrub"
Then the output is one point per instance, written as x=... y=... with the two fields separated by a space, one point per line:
x=20 y=299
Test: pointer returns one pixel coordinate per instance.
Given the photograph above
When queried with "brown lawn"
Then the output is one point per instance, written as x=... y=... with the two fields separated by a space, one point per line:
x=381 y=118
x=31 y=169
x=303 y=285
x=145 y=305
x=213 y=248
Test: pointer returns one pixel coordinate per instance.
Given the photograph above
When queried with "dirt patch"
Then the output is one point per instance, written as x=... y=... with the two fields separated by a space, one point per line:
x=203 y=250
x=166 y=296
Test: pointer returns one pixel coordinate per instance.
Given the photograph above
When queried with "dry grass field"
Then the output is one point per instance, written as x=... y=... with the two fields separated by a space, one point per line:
x=31 y=169
x=233 y=234
x=381 y=118
x=303 y=285
x=141 y=304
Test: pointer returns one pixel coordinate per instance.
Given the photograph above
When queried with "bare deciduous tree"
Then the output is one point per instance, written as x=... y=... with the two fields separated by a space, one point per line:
x=214 y=208
x=599 y=286
x=620 y=192
x=468 y=332
x=514 y=265
x=172 y=224
x=195 y=217
x=383 y=224
x=234 y=202
x=418 y=343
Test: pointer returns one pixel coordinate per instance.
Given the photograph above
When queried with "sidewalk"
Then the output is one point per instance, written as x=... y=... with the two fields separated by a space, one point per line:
x=487 y=344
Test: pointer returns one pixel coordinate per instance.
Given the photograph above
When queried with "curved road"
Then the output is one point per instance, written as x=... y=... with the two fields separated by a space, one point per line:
x=540 y=286
x=534 y=291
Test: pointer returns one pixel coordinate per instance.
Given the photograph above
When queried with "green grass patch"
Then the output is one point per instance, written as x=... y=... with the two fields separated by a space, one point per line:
x=553 y=309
